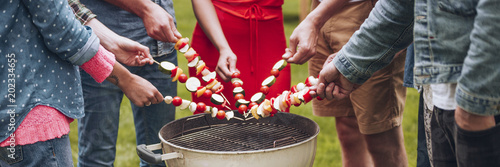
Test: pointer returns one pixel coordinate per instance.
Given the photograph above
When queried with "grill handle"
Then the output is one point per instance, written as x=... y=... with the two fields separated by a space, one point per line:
x=146 y=154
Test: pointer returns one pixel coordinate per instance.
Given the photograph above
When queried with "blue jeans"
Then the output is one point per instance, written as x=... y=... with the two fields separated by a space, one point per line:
x=409 y=64
x=54 y=152
x=98 y=130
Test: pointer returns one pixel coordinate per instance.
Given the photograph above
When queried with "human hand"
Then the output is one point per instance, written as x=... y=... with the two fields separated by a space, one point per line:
x=226 y=65
x=131 y=53
x=302 y=43
x=331 y=83
x=160 y=25
x=140 y=91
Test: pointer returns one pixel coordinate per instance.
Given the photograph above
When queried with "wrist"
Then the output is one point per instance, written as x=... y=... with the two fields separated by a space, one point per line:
x=145 y=9
x=111 y=43
x=315 y=20
x=120 y=75
x=225 y=50
x=124 y=79
x=107 y=37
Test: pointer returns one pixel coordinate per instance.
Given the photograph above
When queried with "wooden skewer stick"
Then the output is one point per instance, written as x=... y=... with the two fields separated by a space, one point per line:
x=238 y=118
x=156 y=62
x=142 y=54
x=225 y=99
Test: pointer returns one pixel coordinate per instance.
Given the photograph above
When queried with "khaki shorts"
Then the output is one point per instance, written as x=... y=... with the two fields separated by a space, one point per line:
x=379 y=103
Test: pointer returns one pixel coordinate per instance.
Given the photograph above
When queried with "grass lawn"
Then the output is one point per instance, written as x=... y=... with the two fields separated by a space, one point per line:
x=328 y=150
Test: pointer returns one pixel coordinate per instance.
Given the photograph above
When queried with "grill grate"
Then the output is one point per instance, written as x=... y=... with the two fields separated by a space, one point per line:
x=240 y=137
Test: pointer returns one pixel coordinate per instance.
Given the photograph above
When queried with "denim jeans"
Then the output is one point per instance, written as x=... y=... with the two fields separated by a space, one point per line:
x=409 y=64
x=453 y=146
x=54 y=152
x=98 y=130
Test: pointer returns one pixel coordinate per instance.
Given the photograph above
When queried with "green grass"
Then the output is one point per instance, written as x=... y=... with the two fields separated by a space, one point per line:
x=328 y=150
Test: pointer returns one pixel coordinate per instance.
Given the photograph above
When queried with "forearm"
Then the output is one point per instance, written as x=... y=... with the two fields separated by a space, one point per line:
x=128 y=52
x=139 y=7
x=207 y=19
x=108 y=37
x=324 y=11
x=387 y=30
x=119 y=75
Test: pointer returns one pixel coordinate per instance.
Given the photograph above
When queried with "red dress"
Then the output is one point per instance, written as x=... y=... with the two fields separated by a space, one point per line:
x=255 y=33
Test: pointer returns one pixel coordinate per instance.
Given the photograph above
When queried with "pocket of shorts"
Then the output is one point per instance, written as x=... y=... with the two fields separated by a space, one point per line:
x=464 y=8
x=11 y=155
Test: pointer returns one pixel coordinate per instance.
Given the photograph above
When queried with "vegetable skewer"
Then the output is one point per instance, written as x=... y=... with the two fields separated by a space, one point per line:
x=259 y=107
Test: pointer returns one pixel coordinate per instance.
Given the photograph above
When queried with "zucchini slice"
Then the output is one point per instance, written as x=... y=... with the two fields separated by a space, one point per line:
x=240 y=102
x=166 y=67
x=192 y=84
x=217 y=99
x=269 y=81
x=238 y=90
x=258 y=97
x=280 y=65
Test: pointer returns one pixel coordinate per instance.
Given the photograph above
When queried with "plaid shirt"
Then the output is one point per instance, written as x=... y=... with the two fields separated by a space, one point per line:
x=82 y=13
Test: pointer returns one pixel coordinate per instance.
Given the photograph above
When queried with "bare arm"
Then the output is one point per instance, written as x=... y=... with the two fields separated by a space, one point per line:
x=158 y=22
x=207 y=18
x=138 y=90
x=128 y=52
x=305 y=37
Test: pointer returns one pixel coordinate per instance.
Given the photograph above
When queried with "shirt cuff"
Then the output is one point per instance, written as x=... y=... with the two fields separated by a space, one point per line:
x=101 y=65
x=87 y=51
x=348 y=70
x=475 y=103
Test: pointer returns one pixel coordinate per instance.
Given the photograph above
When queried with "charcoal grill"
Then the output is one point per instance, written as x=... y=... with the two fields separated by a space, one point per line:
x=200 y=140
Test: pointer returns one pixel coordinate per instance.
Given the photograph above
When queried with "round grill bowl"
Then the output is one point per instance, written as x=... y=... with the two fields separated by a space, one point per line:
x=200 y=140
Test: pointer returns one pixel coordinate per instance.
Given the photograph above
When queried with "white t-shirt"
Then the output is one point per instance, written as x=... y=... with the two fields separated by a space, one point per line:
x=443 y=96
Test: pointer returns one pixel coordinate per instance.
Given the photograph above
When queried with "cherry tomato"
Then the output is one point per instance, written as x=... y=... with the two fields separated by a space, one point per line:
x=238 y=96
x=264 y=89
x=201 y=107
x=275 y=72
x=252 y=104
x=242 y=108
x=221 y=114
x=207 y=93
x=236 y=84
x=183 y=78
x=235 y=75
x=177 y=101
